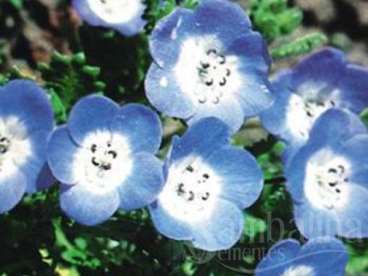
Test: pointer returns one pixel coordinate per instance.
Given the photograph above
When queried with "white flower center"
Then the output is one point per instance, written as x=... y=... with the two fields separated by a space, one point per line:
x=116 y=11
x=103 y=161
x=191 y=191
x=300 y=270
x=204 y=72
x=327 y=176
x=15 y=147
x=302 y=113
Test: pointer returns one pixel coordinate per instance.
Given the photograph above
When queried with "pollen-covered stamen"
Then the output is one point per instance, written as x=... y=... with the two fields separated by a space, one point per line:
x=327 y=180
x=193 y=187
x=102 y=157
x=4 y=144
x=214 y=73
x=192 y=190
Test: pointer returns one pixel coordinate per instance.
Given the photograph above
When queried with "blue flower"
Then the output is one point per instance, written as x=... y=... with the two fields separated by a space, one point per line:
x=207 y=183
x=321 y=256
x=208 y=63
x=319 y=82
x=125 y=16
x=328 y=177
x=104 y=159
x=26 y=120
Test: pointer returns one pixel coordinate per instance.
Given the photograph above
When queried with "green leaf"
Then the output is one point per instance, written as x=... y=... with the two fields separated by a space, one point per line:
x=300 y=46
x=273 y=18
x=17 y=3
x=254 y=226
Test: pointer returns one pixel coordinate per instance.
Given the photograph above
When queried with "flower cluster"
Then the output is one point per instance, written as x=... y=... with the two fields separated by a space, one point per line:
x=211 y=70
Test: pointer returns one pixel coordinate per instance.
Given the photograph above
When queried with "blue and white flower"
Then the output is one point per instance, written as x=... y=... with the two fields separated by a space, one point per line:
x=208 y=63
x=325 y=256
x=321 y=81
x=125 y=16
x=104 y=158
x=26 y=120
x=207 y=184
x=328 y=178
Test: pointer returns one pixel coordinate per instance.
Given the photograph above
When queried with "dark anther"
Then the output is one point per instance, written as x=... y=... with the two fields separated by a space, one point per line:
x=3 y=149
x=93 y=148
x=338 y=191
x=112 y=153
x=223 y=82
x=94 y=162
x=109 y=144
x=209 y=82
x=309 y=114
x=180 y=189
x=332 y=170
x=332 y=103
x=191 y=196
x=346 y=179
x=228 y=72
x=342 y=168
x=106 y=166
x=205 y=65
x=222 y=59
x=206 y=175
x=3 y=139
x=206 y=196
x=332 y=184
x=189 y=168
x=211 y=51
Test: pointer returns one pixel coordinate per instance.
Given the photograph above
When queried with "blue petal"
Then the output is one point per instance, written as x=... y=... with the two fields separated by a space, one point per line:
x=242 y=178
x=61 y=150
x=313 y=222
x=225 y=19
x=279 y=257
x=320 y=70
x=141 y=125
x=352 y=218
x=356 y=150
x=144 y=183
x=130 y=28
x=328 y=130
x=167 y=225
x=26 y=100
x=134 y=26
x=91 y=113
x=227 y=110
x=164 y=94
x=85 y=12
x=88 y=207
x=326 y=255
x=202 y=138
x=167 y=36
x=256 y=95
x=273 y=118
x=45 y=178
x=11 y=191
x=221 y=230
x=354 y=88
x=295 y=171
x=251 y=49
x=36 y=165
